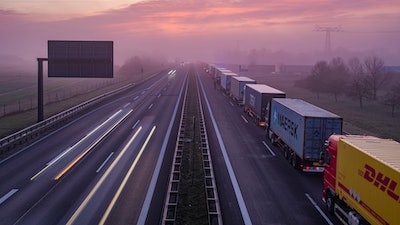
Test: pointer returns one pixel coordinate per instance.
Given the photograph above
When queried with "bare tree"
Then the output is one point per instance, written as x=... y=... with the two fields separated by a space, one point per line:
x=359 y=89
x=375 y=70
x=316 y=81
x=392 y=98
x=335 y=82
x=355 y=67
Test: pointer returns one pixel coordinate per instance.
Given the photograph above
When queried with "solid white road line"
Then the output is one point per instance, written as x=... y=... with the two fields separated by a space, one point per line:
x=235 y=184
x=319 y=209
x=156 y=173
x=269 y=149
x=8 y=195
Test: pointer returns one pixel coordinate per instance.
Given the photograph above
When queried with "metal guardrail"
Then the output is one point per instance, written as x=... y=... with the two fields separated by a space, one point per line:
x=172 y=196
x=12 y=141
x=213 y=204
x=171 y=202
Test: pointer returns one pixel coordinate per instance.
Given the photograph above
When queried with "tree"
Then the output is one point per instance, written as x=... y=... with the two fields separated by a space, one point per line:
x=375 y=70
x=337 y=75
x=355 y=67
x=315 y=82
x=359 y=89
x=392 y=98
x=328 y=78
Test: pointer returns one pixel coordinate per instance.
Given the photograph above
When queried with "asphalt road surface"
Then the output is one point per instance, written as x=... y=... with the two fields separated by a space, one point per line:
x=111 y=165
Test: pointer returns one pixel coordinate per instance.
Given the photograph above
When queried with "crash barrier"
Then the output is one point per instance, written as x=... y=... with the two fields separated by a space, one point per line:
x=23 y=136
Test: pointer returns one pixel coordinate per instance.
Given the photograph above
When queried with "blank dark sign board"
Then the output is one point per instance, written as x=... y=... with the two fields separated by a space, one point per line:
x=80 y=59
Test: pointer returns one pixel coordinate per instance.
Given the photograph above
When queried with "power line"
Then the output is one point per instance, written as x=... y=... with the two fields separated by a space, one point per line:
x=373 y=32
x=328 y=31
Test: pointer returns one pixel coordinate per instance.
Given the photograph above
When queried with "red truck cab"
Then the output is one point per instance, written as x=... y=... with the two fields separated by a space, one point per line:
x=328 y=192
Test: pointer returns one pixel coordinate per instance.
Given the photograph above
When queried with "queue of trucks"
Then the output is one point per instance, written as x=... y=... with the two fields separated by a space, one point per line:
x=361 y=183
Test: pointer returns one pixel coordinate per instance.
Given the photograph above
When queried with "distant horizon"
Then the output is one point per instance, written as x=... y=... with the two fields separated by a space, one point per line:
x=31 y=67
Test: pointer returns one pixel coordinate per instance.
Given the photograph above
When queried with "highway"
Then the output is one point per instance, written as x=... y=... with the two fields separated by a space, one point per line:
x=273 y=192
x=111 y=165
x=71 y=175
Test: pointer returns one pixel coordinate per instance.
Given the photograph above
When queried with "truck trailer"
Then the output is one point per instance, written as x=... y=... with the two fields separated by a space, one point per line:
x=217 y=74
x=301 y=129
x=226 y=78
x=237 y=87
x=256 y=101
x=362 y=179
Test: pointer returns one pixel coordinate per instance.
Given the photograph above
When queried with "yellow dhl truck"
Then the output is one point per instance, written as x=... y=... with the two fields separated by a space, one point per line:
x=362 y=179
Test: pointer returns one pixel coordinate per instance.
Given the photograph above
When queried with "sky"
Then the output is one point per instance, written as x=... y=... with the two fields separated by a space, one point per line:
x=210 y=30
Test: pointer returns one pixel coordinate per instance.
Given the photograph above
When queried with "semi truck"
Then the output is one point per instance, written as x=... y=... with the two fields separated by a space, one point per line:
x=226 y=78
x=217 y=74
x=237 y=87
x=362 y=179
x=256 y=99
x=301 y=129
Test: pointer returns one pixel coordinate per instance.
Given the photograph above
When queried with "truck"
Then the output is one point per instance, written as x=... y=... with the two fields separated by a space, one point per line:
x=217 y=74
x=226 y=78
x=256 y=100
x=362 y=179
x=237 y=87
x=300 y=129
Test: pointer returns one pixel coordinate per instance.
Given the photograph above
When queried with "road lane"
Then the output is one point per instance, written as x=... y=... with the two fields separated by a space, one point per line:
x=46 y=201
x=129 y=209
x=238 y=194
x=274 y=192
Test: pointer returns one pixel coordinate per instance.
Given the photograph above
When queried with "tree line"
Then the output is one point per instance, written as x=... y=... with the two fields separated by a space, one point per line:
x=360 y=80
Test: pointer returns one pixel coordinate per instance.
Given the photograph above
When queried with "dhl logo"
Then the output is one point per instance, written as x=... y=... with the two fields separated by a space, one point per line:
x=381 y=181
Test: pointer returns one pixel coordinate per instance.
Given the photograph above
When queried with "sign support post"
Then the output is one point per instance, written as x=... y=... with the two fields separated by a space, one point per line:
x=40 y=113
x=91 y=59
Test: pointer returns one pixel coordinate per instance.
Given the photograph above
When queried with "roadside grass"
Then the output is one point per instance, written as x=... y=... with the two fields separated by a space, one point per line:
x=60 y=94
x=374 y=118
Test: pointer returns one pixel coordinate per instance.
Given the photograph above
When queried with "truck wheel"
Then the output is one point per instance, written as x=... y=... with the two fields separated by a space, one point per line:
x=330 y=202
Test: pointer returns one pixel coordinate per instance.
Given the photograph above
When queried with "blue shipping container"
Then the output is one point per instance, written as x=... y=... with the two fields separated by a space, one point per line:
x=303 y=126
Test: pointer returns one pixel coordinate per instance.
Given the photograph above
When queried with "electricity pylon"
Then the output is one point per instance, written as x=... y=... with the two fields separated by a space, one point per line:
x=328 y=31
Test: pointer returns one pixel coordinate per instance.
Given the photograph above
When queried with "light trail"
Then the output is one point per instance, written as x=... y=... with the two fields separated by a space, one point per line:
x=102 y=179
x=60 y=156
x=80 y=156
x=121 y=187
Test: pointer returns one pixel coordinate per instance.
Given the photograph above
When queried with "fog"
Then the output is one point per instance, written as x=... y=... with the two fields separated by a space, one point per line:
x=247 y=32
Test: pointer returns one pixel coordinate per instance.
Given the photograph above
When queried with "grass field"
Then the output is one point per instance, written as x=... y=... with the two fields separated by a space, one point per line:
x=18 y=96
x=373 y=119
